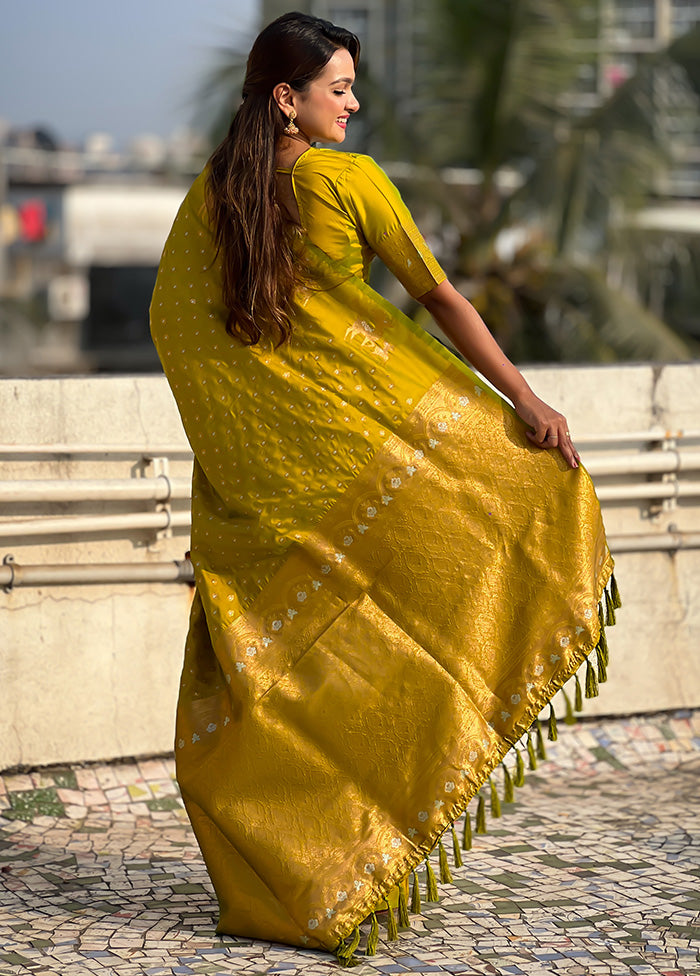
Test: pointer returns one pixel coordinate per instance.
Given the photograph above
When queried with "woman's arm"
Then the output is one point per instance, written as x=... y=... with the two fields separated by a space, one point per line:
x=461 y=322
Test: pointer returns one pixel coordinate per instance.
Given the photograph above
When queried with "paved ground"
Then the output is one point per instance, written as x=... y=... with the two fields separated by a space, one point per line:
x=594 y=870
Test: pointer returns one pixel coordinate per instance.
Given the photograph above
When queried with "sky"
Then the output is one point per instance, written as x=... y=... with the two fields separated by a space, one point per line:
x=127 y=67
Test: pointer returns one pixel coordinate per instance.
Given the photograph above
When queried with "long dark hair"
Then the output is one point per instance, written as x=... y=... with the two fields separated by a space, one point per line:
x=253 y=234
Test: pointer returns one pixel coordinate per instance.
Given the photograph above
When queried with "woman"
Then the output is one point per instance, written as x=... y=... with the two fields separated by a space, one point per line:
x=392 y=577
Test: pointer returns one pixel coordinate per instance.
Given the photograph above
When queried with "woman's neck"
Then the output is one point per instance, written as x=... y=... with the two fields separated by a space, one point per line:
x=290 y=148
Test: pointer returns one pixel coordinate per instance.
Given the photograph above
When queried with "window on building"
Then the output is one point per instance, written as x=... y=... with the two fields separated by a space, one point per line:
x=685 y=14
x=352 y=18
x=634 y=19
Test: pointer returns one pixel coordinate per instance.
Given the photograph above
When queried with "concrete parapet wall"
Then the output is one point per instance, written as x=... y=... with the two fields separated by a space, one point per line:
x=91 y=671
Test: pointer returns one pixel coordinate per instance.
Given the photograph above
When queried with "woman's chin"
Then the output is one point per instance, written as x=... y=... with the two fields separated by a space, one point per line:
x=338 y=134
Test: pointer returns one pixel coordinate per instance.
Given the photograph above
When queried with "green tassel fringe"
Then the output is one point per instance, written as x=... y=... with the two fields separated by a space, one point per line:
x=615 y=593
x=467 y=833
x=591 y=681
x=456 y=853
x=508 y=791
x=531 y=752
x=445 y=875
x=392 y=932
x=602 y=669
x=481 y=816
x=346 y=950
x=609 y=611
x=602 y=645
x=495 y=801
x=541 y=751
x=519 y=779
x=373 y=937
x=404 y=920
x=415 y=897
x=430 y=883
x=569 y=717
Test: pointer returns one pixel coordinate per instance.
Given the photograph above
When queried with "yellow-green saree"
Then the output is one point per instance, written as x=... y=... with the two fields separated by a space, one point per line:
x=391 y=581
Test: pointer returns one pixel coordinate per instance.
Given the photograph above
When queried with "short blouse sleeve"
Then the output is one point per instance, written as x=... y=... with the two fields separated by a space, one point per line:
x=385 y=222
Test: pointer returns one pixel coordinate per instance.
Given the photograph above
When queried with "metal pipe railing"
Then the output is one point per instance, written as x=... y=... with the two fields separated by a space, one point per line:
x=650 y=462
x=163 y=450
x=160 y=489
x=648 y=491
x=675 y=456
x=654 y=436
x=13 y=574
x=654 y=542
x=69 y=524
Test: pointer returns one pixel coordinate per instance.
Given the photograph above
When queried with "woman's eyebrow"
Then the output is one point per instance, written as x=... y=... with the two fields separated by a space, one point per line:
x=338 y=81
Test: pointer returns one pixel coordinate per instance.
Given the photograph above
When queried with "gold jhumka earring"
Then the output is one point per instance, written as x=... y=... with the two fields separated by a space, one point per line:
x=290 y=129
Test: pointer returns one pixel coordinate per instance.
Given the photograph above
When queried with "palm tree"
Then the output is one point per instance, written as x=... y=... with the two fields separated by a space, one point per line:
x=498 y=103
x=540 y=241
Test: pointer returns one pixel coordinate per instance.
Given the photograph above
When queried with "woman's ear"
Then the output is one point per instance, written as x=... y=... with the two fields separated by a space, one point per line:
x=283 y=94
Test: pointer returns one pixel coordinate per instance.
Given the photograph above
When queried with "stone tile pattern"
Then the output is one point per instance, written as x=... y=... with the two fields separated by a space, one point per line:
x=593 y=871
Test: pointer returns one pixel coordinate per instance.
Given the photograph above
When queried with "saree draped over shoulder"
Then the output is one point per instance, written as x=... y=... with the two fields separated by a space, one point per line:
x=391 y=581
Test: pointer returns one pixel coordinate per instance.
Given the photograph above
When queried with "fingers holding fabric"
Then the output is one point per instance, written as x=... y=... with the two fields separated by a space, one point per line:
x=555 y=439
x=550 y=428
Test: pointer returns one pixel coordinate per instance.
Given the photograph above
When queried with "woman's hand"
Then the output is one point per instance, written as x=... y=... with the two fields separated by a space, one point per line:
x=550 y=428
x=461 y=322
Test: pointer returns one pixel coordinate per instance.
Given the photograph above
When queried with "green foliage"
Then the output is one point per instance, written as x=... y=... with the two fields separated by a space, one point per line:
x=543 y=241
x=542 y=262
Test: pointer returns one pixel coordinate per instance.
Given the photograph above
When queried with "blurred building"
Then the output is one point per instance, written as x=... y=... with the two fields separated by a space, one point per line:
x=616 y=33
x=627 y=30
x=81 y=234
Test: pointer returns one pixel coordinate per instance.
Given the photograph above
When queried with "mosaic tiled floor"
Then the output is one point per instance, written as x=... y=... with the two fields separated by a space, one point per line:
x=595 y=869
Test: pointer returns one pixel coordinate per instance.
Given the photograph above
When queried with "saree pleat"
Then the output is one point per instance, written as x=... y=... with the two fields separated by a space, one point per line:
x=391 y=581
